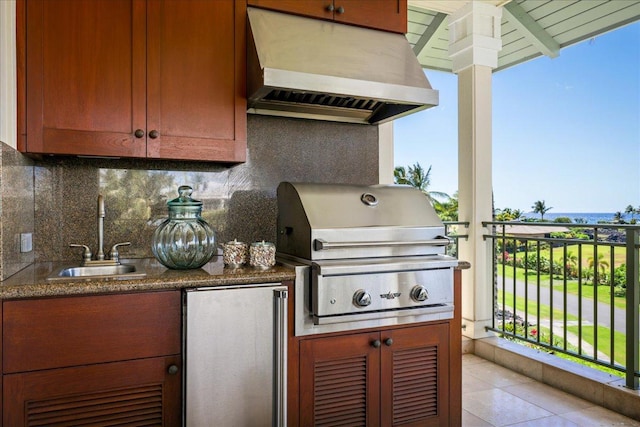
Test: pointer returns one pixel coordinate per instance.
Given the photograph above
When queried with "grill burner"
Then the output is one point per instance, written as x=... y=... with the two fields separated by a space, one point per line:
x=365 y=256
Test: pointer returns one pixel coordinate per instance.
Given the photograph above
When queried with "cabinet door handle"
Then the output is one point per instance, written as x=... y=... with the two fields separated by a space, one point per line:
x=340 y=10
x=376 y=343
x=154 y=134
x=330 y=8
x=139 y=133
x=388 y=342
x=172 y=369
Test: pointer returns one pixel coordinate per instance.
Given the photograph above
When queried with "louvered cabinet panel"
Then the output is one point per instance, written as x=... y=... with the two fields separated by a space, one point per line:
x=340 y=381
x=415 y=376
x=132 y=393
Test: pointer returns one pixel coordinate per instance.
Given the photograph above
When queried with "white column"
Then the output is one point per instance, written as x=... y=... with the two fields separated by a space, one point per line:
x=474 y=42
x=385 y=153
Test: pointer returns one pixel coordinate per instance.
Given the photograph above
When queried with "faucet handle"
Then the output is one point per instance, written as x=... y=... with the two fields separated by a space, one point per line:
x=86 y=256
x=115 y=255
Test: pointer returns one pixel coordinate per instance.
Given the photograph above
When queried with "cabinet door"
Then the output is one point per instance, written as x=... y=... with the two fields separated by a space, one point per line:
x=340 y=381
x=196 y=78
x=388 y=15
x=81 y=330
x=138 y=392
x=415 y=376
x=312 y=8
x=85 y=77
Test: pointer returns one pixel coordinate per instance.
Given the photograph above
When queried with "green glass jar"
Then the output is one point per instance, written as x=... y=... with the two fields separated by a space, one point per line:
x=184 y=240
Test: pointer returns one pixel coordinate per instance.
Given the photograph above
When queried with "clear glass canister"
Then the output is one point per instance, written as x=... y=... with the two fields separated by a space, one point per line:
x=262 y=254
x=184 y=240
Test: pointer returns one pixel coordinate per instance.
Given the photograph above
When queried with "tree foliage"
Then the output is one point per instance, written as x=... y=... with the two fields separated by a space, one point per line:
x=541 y=207
x=415 y=176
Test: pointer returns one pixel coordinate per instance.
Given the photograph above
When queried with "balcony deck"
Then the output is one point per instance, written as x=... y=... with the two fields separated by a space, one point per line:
x=506 y=387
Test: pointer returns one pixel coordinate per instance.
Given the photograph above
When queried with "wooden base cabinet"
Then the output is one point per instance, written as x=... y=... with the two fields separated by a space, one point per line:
x=136 y=392
x=393 y=377
x=92 y=360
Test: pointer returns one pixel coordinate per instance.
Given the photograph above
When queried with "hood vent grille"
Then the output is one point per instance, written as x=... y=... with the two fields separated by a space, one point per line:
x=323 y=100
x=309 y=68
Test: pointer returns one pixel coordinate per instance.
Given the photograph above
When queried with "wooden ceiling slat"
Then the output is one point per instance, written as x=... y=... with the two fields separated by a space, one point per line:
x=567 y=21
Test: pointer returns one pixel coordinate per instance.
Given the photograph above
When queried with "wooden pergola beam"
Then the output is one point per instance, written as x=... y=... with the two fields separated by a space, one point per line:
x=531 y=30
x=429 y=32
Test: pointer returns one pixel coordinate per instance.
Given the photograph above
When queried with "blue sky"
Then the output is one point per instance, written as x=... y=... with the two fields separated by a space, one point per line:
x=565 y=130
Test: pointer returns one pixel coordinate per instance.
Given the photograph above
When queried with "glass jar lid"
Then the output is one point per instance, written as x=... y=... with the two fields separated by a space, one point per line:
x=184 y=199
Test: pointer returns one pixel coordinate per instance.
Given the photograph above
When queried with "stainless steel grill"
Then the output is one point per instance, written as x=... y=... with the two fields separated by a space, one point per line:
x=365 y=256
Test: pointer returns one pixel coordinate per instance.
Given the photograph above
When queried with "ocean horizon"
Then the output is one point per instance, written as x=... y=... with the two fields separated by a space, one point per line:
x=587 y=217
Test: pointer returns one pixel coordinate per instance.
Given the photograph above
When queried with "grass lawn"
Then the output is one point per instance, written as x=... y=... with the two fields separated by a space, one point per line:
x=619 y=253
x=604 y=337
x=545 y=310
x=604 y=292
x=604 y=334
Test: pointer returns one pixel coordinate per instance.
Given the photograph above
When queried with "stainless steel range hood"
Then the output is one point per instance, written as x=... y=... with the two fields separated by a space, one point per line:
x=302 y=67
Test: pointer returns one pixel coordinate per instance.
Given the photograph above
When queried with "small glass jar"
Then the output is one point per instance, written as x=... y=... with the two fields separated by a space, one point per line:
x=262 y=255
x=184 y=240
x=234 y=253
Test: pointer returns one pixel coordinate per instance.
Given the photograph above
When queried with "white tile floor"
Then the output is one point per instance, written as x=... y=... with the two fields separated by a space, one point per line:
x=496 y=396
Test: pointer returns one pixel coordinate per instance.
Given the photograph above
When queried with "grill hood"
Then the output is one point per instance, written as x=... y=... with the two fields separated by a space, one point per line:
x=337 y=221
x=309 y=68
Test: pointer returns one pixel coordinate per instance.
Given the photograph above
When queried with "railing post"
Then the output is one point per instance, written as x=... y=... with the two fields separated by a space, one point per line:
x=633 y=300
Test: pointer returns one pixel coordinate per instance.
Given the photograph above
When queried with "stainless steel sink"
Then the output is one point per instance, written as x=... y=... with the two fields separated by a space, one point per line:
x=119 y=271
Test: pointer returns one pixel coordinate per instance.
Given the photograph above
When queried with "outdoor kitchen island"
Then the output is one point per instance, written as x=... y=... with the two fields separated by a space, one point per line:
x=112 y=339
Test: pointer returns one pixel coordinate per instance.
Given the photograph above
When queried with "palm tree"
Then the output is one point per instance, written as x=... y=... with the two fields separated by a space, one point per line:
x=631 y=210
x=571 y=264
x=600 y=265
x=508 y=214
x=415 y=176
x=448 y=210
x=541 y=208
x=618 y=217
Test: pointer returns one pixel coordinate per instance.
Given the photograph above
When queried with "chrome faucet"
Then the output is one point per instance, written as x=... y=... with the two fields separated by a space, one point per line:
x=100 y=255
x=100 y=258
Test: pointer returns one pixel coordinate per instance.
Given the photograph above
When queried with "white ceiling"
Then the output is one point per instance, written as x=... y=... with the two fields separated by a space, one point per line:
x=530 y=28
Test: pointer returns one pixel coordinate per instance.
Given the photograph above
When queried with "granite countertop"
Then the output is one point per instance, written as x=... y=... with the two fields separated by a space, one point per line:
x=32 y=281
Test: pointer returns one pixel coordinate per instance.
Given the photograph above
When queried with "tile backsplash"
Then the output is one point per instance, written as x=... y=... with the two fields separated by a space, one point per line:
x=56 y=197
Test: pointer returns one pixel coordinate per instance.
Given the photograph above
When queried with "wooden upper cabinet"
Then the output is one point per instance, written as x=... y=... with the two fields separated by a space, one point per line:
x=85 y=77
x=136 y=78
x=312 y=8
x=387 y=15
x=196 y=80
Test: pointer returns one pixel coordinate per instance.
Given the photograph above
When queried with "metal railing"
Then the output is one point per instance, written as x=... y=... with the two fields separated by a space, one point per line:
x=570 y=288
x=452 y=230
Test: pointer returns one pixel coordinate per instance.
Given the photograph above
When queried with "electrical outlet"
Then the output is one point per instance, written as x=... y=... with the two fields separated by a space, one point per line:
x=26 y=242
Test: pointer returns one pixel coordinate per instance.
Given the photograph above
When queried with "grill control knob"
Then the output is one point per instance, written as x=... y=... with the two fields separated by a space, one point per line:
x=361 y=298
x=419 y=293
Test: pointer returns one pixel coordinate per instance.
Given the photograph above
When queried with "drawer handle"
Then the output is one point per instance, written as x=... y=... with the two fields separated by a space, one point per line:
x=172 y=370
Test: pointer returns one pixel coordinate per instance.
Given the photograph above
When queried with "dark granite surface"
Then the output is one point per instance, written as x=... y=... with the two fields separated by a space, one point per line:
x=32 y=281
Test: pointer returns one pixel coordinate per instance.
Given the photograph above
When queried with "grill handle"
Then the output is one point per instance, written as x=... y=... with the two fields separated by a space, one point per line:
x=321 y=245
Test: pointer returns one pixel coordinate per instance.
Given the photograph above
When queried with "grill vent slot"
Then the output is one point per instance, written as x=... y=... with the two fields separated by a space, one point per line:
x=124 y=407
x=415 y=384
x=341 y=392
x=308 y=98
